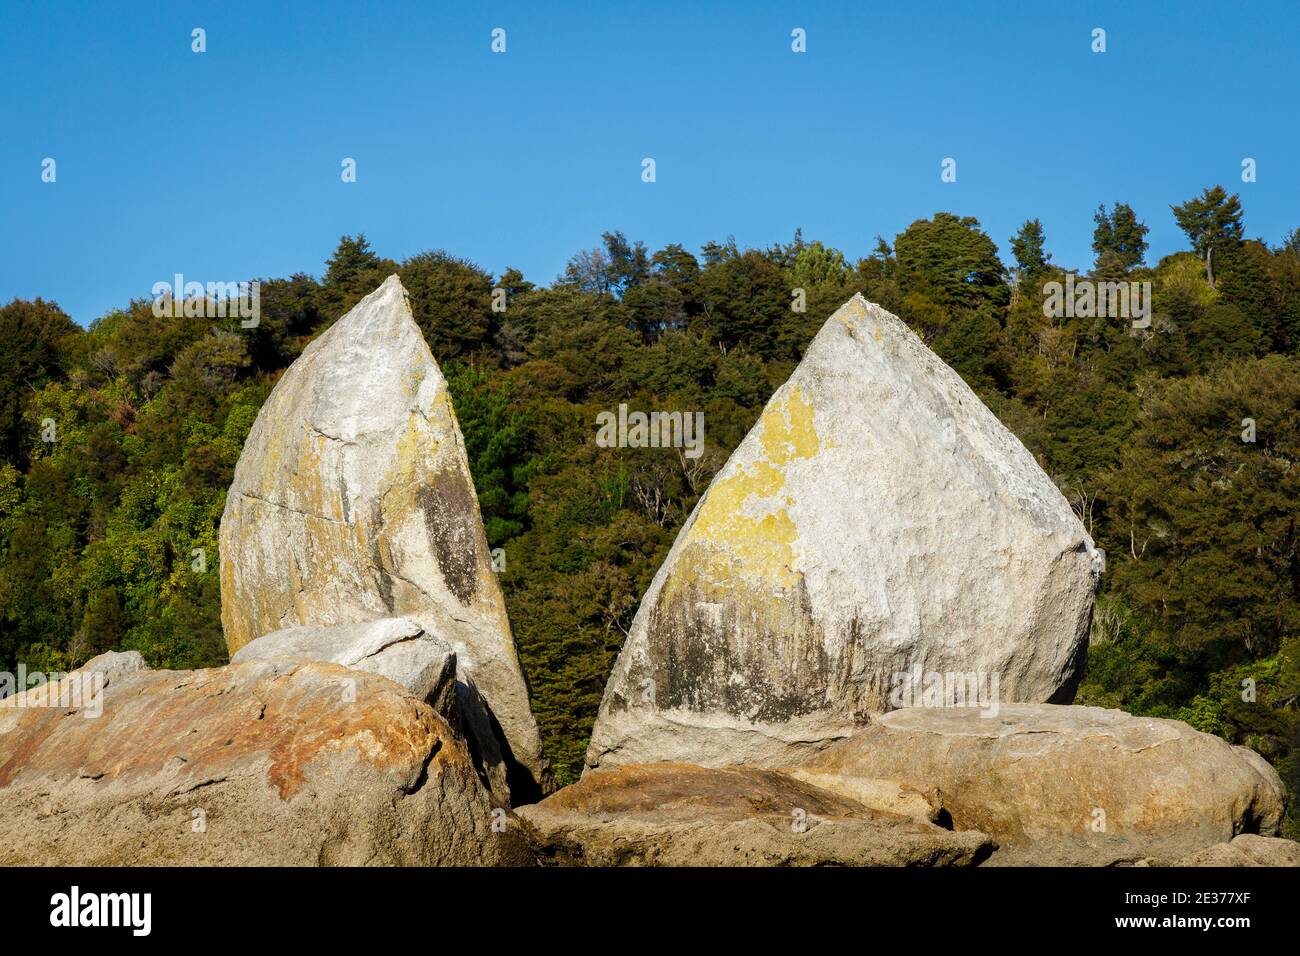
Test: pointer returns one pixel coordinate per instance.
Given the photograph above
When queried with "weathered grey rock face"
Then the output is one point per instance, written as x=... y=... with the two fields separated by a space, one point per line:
x=400 y=649
x=394 y=647
x=353 y=501
x=680 y=815
x=1064 y=785
x=113 y=664
x=1249 y=849
x=264 y=763
x=877 y=519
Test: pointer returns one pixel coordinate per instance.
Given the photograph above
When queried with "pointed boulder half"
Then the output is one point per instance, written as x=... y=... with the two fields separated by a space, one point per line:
x=877 y=527
x=352 y=501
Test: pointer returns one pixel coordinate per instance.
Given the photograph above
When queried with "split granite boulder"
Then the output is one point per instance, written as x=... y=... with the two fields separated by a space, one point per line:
x=1066 y=785
x=876 y=521
x=263 y=763
x=680 y=815
x=353 y=501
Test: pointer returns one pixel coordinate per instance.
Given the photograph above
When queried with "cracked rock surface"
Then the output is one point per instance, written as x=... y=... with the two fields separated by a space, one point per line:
x=352 y=501
x=396 y=648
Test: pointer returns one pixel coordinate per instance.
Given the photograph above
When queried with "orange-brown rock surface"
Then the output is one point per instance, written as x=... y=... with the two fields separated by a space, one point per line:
x=259 y=763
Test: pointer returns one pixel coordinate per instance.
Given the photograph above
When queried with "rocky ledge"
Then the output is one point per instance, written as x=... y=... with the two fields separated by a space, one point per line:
x=671 y=814
x=264 y=763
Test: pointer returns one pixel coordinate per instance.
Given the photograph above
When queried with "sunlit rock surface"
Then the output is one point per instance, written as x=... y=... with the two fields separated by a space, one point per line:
x=878 y=519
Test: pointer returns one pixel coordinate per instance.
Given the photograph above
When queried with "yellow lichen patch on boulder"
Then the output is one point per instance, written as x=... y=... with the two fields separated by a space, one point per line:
x=743 y=523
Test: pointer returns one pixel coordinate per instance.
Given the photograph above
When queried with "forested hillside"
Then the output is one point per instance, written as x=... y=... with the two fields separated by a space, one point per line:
x=1177 y=443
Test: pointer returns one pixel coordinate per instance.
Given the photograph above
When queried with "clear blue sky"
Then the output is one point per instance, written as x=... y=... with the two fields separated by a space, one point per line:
x=225 y=165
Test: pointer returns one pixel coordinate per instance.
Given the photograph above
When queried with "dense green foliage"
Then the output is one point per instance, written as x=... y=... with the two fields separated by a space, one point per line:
x=108 y=524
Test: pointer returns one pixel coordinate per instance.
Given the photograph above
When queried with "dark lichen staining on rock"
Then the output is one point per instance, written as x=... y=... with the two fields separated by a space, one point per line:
x=714 y=656
x=384 y=582
x=451 y=519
